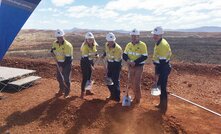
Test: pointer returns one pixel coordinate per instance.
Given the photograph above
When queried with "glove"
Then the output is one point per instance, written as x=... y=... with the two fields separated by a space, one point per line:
x=96 y=55
x=52 y=50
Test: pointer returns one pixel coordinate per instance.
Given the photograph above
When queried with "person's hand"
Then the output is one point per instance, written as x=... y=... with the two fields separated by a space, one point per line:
x=96 y=55
x=61 y=69
x=102 y=57
x=52 y=50
x=131 y=64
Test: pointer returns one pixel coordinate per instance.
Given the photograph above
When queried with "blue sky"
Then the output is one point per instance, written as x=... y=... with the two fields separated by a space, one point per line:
x=125 y=14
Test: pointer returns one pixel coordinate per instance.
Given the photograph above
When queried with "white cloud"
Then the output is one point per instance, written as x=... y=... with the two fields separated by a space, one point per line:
x=125 y=5
x=182 y=13
x=48 y=10
x=142 y=14
x=60 y=3
x=44 y=22
x=94 y=11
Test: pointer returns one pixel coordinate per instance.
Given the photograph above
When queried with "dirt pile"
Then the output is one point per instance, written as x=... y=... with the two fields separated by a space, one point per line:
x=37 y=110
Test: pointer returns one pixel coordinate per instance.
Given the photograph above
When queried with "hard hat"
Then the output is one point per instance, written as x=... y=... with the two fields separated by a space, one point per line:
x=59 y=33
x=89 y=35
x=135 y=32
x=110 y=37
x=158 y=31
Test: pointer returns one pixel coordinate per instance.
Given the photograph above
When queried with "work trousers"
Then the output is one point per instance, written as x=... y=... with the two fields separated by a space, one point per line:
x=135 y=79
x=163 y=71
x=113 y=72
x=86 y=69
x=66 y=72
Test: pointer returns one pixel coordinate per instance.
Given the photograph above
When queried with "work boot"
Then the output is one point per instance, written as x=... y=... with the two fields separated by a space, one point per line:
x=82 y=95
x=135 y=100
x=158 y=106
x=59 y=93
x=163 y=107
x=67 y=96
x=88 y=92
x=110 y=97
x=117 y=99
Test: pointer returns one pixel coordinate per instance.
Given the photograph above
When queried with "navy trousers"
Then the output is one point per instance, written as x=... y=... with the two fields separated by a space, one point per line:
x=163 y=70
x=114 y=69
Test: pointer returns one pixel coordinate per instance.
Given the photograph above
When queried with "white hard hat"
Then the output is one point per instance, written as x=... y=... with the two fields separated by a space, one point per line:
x=59 y=33
x=89 y=35
x=110 y=37
x=158 y=31
x=135 y=32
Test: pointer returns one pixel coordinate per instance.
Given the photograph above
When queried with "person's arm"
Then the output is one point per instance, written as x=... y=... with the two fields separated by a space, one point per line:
x=125 y=54
x=52 y=47
x=144 y=55
x=118 y=54
x=52 y=50
x=140 y=59
x=68 y=52
x=125 y=57
x=104 y=55
x=166 y=55
x=84 y=54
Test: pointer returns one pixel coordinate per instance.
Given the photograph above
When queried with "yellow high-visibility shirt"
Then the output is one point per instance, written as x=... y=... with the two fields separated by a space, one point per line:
x=113 y=54
x=87 y=51
x=62 y=51
x=136 y=51
x=162 y=52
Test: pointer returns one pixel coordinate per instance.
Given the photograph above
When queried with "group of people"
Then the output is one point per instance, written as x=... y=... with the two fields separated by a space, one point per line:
x=135 y=55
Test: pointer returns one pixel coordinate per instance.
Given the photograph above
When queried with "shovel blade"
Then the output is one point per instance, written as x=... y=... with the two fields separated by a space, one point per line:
x=89 y=85
x=126 y=101
x=155 y=91
x=108 y=81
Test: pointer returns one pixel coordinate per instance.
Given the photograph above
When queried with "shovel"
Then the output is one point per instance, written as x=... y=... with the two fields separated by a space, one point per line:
x=155 y=91
x=89 y=85
x=127 y=99
x=59 y=70
x=108 y=81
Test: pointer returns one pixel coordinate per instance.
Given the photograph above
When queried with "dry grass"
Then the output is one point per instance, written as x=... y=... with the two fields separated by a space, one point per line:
x=186 y=47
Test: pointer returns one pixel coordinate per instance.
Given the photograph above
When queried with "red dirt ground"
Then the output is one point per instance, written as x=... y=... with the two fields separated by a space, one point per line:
x=37 y=110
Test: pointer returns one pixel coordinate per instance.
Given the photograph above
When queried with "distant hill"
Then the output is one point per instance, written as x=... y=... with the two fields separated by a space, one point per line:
x=200 y=29
x=77 y=30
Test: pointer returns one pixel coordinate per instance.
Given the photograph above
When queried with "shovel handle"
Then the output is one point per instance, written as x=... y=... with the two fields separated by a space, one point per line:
x=128 y=80
x=59 y=70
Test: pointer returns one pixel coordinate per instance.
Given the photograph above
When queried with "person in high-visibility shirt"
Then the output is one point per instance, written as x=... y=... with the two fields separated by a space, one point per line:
x=113 y=53
x=135 y=54
x=63 y=52
x=161 y=58
x=88 y=54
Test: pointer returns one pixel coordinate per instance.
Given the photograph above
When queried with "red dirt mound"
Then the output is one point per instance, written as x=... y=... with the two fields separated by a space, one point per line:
x=37 y=110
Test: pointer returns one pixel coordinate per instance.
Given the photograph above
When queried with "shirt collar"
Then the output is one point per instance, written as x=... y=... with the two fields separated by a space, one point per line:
x=135 y=43
x=113 y=45
x=158 y=42
x=62 y=42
